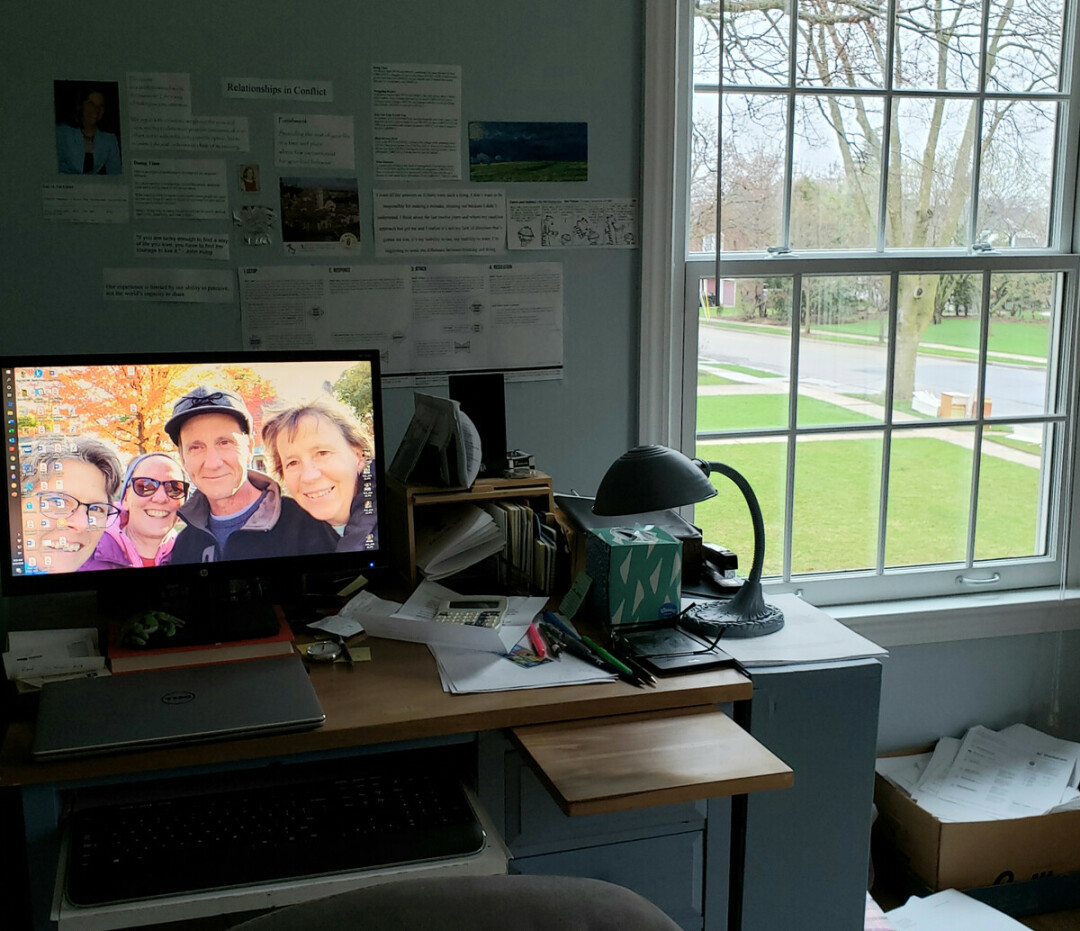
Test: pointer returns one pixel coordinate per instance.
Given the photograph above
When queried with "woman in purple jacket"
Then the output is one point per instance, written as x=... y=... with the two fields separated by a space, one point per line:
x=143 y=535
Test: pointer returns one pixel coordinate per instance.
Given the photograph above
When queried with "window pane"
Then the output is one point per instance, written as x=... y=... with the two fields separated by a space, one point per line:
x=929 y=172
x=743 y=352
x=937 y=46
x=834 y=476
x=840 y=44
x=725 y=519
x=1023 y=310
x=843 y=350
x=936 y=372
x=1008 y=523
x=1017 y=173
x=929 y=500
x=755 y=40
x=704 y=149
x=837 y=165
x=754 y=133
x=1025 y=45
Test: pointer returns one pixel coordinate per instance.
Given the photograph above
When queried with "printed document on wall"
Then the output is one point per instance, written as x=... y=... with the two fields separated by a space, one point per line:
x=416 y=122
x=422 y=318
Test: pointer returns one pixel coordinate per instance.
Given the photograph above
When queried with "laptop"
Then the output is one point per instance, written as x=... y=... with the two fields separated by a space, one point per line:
x=164 y=707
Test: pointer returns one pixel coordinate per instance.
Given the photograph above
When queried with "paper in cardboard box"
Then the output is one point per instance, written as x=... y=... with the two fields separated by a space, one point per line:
x=975 y=854
x=635 y=571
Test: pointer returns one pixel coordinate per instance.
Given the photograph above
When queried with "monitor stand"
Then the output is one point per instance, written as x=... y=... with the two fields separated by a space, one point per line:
x=212 y=610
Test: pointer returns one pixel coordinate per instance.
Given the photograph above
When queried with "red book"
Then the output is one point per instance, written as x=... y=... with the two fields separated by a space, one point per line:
x=133 y=659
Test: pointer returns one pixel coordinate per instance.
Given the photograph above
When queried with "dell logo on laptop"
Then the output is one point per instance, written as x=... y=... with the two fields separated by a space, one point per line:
x=179 y=697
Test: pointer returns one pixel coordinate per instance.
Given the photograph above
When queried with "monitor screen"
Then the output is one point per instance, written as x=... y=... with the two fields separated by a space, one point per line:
x=136 y=469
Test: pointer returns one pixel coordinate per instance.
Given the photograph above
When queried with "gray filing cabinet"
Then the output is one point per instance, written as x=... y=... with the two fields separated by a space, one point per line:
x=807 y=847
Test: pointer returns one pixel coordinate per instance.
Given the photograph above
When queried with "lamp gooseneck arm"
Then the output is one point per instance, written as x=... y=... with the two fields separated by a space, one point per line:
x=748 y=601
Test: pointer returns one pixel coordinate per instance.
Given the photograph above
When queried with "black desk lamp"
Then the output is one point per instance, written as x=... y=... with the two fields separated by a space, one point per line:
x=652 y=478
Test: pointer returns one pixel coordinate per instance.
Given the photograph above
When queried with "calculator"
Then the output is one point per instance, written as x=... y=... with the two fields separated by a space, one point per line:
x=475 y=611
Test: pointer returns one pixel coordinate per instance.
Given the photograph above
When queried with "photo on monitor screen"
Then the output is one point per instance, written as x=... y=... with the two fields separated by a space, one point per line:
x=121 y=465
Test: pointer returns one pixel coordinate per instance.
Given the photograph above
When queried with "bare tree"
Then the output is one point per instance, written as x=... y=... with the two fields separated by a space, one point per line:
x=934 y=139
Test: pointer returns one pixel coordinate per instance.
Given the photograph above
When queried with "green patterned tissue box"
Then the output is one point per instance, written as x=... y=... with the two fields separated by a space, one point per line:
x=635 y=571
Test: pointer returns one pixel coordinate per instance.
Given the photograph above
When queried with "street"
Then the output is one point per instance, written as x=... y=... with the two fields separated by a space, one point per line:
x=860 y=369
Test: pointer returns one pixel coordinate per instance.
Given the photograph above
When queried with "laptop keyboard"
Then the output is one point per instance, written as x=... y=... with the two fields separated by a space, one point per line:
x=301 y=821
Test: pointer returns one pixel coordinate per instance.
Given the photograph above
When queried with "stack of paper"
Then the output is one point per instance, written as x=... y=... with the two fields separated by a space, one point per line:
x=809 y=635
x=949 y=911
x=35 y=657
x=460 y=536
x=470 y=659
x=441 y=445
x=1017 y=772
x=464 y=671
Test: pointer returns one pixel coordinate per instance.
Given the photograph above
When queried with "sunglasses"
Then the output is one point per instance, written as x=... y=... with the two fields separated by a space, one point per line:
x=145 y=487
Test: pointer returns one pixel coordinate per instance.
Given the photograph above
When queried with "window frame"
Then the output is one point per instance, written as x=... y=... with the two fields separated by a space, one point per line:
x=668 y=349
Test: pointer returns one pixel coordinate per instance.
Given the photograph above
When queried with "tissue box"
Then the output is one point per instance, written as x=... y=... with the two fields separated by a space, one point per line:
x=635 y=571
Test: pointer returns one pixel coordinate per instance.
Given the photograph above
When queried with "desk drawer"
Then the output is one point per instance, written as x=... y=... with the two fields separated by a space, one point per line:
x=533 y=822
x=667 y=870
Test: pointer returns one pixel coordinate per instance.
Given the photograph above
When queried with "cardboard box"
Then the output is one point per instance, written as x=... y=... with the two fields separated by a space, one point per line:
x=635 y=571
x=971 y=854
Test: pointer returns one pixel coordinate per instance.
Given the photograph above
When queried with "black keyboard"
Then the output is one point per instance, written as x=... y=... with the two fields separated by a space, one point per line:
x=290 y=822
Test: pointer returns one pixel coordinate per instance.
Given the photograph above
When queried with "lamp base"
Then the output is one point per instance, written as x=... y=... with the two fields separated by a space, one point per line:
x=716 y=617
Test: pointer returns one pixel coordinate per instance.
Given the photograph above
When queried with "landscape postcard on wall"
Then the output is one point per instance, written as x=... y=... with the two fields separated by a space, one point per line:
x=508 y=152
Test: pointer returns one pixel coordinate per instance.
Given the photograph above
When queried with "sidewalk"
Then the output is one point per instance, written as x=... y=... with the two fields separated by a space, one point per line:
x=958 y=437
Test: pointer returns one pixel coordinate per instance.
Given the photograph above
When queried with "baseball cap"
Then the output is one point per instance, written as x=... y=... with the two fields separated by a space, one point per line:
x=203 y=400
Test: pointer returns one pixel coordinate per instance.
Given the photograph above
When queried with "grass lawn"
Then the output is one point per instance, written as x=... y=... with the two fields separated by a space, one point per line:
x=530 y=171
x=707 y=378
x=747 y=411
x=835 y=518
x=1026 y=339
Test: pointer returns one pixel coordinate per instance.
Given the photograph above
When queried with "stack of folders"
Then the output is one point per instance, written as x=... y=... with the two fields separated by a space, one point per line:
x=529 y=557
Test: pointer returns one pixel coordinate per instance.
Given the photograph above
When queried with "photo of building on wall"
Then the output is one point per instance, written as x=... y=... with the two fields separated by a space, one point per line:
x=320 y=211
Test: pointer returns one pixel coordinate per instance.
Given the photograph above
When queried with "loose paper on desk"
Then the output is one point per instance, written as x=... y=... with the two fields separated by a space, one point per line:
x=464 y=671
x=415 y=620
x=809 y=635
x=38 y=656
x=950 y=911
x=443 y=431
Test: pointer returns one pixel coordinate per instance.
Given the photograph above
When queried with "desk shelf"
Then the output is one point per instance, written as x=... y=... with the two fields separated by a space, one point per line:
x=412 y=505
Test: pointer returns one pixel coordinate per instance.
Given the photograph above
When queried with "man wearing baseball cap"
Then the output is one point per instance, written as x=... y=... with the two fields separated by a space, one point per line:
x=236 y=513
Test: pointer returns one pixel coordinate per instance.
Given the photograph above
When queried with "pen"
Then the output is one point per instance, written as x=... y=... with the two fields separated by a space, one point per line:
x=608 y=658
x=640 y=671
x=606 y=661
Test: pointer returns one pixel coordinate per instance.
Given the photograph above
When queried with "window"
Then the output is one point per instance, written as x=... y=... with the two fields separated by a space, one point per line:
x=883 y=344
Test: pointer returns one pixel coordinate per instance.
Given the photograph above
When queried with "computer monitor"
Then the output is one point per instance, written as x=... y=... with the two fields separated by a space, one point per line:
x=202 y=483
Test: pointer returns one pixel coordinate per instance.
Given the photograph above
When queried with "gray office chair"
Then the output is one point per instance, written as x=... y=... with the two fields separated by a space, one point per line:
x=474 y=903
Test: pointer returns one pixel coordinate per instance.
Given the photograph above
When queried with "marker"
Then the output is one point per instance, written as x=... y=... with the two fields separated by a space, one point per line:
x=560 y=624
x=537 y=641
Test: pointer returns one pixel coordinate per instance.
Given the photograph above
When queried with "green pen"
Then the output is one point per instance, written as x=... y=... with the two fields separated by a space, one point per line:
x=607 y=657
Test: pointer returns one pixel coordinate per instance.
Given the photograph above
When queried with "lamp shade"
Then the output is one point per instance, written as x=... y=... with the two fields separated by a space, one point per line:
x=651 y=478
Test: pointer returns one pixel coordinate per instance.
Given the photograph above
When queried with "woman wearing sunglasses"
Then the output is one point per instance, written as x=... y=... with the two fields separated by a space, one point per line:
x=143 y=533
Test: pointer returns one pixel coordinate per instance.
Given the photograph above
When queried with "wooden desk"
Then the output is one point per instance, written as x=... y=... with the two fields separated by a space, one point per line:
x=397 y=697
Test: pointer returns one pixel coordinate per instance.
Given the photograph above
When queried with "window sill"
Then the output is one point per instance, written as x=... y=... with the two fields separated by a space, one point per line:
x=962 y=617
